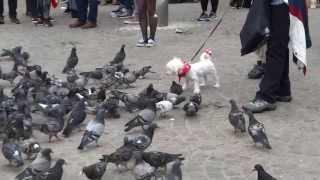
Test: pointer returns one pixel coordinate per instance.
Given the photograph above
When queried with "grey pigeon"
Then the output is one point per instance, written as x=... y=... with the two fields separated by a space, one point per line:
x=95 y=171
x=94 y=129
x=40 y=164
x=54 y=173
x=142 y=141
x=144 y=117
x=142 y=170
x=12 y=152
x=120 y=56
x=77 y=116
x=192 y=107
x=236 y=118
x=160 y=159
x=55 y=122
x=257 y=131
x=176 y=88
x=131 y=101
x=174 y=171
x=262 y=174
x=30 y=148
x=71 y=62
x=123 y=156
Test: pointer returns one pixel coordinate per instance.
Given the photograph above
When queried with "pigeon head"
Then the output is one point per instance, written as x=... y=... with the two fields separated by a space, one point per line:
x=73 y=51
x=233 y=104
x=25 y=55
x=258 y=167
x=60 y=162
x=122 y=47
x=34 y=147
x=47 y=153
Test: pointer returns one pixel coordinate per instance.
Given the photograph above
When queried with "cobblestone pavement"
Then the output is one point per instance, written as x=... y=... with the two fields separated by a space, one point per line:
x=207 y=141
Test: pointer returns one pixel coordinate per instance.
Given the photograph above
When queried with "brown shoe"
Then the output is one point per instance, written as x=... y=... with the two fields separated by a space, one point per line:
x=77 y=24
x=89 y=25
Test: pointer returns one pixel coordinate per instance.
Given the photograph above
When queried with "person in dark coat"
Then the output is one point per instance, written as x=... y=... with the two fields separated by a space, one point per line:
x=275 y=84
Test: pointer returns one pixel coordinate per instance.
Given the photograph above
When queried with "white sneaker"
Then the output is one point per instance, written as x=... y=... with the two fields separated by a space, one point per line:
x=141 y=43
x=151 y=43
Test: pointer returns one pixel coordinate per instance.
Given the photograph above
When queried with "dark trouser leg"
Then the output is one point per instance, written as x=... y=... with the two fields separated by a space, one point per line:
x=34 y=8
x=143 y=19
x=46 y=9
x=93 y=10
x=153 y=18
x=215 y=4
x=276 y=78
x=12 y=8
x=40 y=8
x=1 y=8
x=82 y=9
x=204 y=5
x=28 y=8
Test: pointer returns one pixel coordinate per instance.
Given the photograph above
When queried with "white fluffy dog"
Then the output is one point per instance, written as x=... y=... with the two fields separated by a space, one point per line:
x=196 y=72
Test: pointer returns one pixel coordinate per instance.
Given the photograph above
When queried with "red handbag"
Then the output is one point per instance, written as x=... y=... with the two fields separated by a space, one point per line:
x=54 y=3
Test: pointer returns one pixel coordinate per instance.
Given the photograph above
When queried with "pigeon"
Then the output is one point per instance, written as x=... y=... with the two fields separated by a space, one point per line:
x=71 y=62
x=55 y=122
x=95 y=171
x=112 y=105
x=12 y=152
x=196 y=98
x=54 y=173
x=174 y=171
x=163 y=107
x=30 y=148
x=142 y=170
x=126 y=78
x=160 y=159
x=94 y=129
x=257 y=131
x=120 y=56
x=97 y=74
x=15 y=127
x=150 y=92
x=77 y=116
x=192 y=107
x=40 y=164
x=143 y=71
x=123 y=156
x=131 y=101
x=262 y=174
x=236 y=118
x=20 y=58
x=144 y=117
x=176 y=88
x=142 y=141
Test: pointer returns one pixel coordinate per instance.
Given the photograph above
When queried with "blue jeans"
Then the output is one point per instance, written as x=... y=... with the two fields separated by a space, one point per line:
x=128 y=4
x=83 y=10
